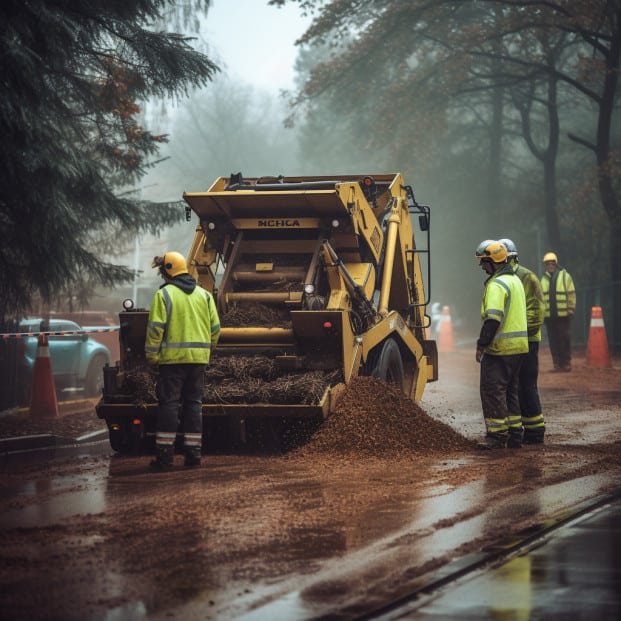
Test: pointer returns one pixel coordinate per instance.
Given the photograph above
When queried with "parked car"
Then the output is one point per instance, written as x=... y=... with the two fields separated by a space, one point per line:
x=77 y=359
x=96 y=319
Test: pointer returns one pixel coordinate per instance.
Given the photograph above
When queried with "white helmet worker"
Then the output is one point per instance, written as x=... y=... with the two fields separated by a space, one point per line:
x=480 y=251
x=491 y=250
x=510 y=246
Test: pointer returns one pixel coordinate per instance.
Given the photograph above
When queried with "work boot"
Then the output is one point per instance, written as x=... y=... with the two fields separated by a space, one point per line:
x=164 y=456
x=192 y=458
x=515 y=438
x=533 y=439
x=490 y=443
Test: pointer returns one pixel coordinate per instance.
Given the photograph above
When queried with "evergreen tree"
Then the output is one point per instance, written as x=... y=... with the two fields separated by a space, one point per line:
x=73 y=73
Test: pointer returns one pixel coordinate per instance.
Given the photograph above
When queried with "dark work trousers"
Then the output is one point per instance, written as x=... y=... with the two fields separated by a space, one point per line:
x=179 y=386
x=559 y=337
x=499 y=398
x=528 y=392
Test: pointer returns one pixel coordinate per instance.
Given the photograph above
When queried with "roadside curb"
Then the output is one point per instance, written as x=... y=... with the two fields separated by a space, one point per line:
x=18 y=444
x=40 y=441
x=27 y=443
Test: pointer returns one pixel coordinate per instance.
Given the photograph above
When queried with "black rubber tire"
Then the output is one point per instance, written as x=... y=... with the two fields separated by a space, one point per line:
x=93 y=383
x=389 y=365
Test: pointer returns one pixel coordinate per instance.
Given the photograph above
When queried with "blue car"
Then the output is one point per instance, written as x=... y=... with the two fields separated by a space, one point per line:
x=77 y=359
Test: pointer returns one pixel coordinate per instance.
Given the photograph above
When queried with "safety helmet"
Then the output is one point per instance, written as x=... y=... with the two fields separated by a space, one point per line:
x=510 y=246
x=171 y=264
x=549 y=256
x=480 y=251
x=491 y=250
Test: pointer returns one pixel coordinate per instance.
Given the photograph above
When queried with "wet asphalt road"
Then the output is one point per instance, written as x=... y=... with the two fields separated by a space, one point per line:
x=85 y=534
x=572 y=573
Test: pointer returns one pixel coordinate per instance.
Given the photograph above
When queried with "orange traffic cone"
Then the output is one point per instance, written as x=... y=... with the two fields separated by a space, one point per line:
x=446 y=342
x=43 y=402
x=597 y=345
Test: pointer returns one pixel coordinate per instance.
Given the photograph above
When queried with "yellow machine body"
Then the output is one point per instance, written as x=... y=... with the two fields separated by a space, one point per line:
x=337 y=256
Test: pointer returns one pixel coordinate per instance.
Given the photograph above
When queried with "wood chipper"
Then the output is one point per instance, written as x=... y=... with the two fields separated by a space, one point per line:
x=317 y=279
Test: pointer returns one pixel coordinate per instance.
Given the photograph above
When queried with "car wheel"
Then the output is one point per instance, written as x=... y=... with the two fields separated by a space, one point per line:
x=93 y=384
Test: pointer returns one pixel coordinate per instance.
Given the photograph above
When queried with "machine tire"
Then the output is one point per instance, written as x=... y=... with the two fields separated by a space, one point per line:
x=93 y=384
x=389 y=365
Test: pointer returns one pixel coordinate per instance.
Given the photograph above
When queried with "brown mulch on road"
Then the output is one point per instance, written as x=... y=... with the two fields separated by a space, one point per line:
x=376 y=419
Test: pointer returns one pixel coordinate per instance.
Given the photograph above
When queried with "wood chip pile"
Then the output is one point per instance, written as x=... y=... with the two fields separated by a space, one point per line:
x=255 y=315
x=256 y=379
x=140 y=385
x=376 y=419
x=244 y=379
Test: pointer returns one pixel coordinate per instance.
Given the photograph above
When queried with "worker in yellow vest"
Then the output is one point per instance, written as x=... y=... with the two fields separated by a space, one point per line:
x=501 y=347
x=182 y=330
x=560 y=297
x=528 y=391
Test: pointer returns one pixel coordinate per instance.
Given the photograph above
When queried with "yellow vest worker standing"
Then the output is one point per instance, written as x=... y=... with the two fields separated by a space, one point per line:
x=528 y=392
x=560 y=297
x=501 y=347
x=182 y=329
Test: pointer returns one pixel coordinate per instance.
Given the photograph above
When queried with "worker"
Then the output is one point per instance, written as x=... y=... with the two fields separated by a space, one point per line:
x=560 y=297
x=182 y=330
x=501 y=347
x=528 y=392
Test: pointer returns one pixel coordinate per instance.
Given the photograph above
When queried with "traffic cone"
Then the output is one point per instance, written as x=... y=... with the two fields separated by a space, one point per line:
x=43 y=402
x=597 y=345
x=446 y=342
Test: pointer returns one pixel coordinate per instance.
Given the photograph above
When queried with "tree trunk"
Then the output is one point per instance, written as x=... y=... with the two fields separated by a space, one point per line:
x=549 y=167
x=495 y=167
x=613 y=323
x=609 y=198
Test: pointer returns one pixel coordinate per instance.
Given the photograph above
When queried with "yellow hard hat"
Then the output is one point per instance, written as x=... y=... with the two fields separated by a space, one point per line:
x=171 y=264
x=491 y=250
x=549 y=256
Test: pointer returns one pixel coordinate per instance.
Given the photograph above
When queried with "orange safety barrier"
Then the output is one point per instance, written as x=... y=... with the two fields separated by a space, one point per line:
x=446 y=342
x=43 y=402
x=597 y=344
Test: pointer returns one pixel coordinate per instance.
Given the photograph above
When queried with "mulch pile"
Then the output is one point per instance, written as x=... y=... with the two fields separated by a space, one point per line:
x=376 y=419
x=255 y=315
x=243 y=379
x=257 y=379
x=139 y=386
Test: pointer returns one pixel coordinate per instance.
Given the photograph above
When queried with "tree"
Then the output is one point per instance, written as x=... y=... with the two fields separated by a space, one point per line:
x=456 y=48
x=73 y=76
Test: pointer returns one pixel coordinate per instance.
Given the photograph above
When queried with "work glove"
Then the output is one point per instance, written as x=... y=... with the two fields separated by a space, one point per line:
x=479 y=354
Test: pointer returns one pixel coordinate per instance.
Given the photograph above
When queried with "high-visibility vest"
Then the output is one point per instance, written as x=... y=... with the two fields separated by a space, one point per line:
x=559 y=293
x=504 y=301
x=182 y=327
x=535 y=302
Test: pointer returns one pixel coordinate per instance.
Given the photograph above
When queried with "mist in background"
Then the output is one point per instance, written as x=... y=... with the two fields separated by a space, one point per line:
x=479 y=184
